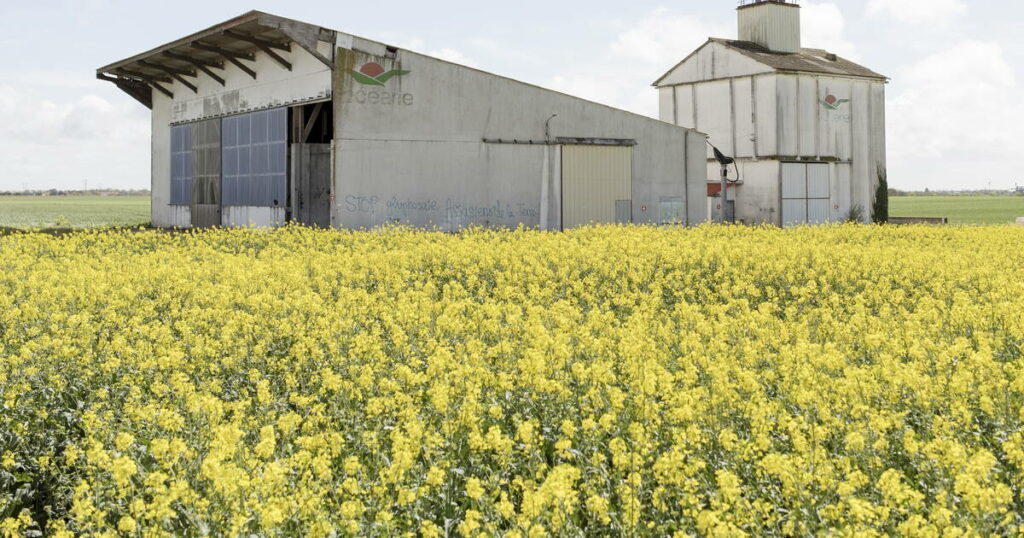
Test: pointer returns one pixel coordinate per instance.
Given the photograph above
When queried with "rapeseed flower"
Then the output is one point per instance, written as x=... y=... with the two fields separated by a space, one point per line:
x=842 y=380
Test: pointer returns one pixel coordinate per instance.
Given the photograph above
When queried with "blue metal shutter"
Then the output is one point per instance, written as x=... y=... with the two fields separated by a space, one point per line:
x=255 y=159
x=181 y=164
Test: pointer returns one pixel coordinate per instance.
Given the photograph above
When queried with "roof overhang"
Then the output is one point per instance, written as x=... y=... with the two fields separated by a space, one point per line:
x=776 y=62
x=235 y=41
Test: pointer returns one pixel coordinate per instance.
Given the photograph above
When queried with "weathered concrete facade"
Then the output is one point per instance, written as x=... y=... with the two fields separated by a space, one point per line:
x=775 y=112
x=411 y=139
x=308 y=82
x=446 y=134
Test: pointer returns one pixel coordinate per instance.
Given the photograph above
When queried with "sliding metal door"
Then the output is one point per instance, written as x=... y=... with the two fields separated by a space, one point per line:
x=596 y=185
x=311 y=184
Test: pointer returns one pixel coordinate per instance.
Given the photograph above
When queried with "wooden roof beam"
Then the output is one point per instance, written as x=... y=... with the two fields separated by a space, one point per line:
x=194 y=61
x=228 y=55
x=155 y=83
x=312 y=121
x=202 y=65
x=176 y=74
x=168 y=69
x=136 y=90
x=304 y=35
x=286 y=47
x=266 y=46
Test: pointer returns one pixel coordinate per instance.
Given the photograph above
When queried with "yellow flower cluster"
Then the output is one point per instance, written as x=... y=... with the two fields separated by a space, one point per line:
x=727 y=381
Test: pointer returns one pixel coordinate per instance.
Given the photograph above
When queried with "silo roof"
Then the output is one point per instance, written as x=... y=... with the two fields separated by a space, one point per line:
x=806 y=61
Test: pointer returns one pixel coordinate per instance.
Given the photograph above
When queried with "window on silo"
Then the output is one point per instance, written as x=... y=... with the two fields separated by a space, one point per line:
x=806 y=193
x=256 y=159
x=181 y=164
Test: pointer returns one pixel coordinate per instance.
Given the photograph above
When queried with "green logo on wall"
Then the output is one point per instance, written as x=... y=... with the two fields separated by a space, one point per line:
x=374 y=74
x=833 y=103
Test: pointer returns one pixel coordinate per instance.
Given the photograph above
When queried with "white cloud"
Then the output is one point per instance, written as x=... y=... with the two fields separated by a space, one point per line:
x=454 y=56
x=958 y=100
x=649 y=46
x=665 y=37
x=502 y=52
x=822 y=26
x=919 y=12
x=595 y=87
x=46 y=142
x=418 y=44
x=957 y=106
x=644 y=49
x=90 y=117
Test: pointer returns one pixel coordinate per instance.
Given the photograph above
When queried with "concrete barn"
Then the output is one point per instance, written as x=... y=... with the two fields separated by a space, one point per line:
x=263 y=120
x=806 y=127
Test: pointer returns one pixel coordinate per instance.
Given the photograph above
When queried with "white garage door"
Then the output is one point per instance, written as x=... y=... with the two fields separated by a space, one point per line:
x=806 y=196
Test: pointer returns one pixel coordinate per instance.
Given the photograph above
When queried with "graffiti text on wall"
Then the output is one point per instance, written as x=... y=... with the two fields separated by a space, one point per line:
x=453 y=209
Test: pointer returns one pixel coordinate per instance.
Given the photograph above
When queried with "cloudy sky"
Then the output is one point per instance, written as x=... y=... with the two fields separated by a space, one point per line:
x=954 y=117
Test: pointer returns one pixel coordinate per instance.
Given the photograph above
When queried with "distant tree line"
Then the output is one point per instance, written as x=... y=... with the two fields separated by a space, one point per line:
x=89 y=192
x=1018 y=191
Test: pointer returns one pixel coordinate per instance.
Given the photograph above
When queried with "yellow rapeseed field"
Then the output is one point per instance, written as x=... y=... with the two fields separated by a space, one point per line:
x=842 y=380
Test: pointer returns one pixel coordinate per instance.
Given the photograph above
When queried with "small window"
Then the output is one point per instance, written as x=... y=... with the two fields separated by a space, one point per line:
x=806 y=193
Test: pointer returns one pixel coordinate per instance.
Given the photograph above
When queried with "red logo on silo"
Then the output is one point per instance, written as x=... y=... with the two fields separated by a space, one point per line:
x=832 y=102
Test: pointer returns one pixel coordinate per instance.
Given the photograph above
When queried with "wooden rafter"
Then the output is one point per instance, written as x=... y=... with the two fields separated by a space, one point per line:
x=176 y=74
x=168 y=69
x=230 y=56
x=305 y=35
x=158 y=78
x=286 y=47
x=154 y=82
x=203 y=65
x=137 y=90
x=266 y=46
x=311 y=121
x=195 y=61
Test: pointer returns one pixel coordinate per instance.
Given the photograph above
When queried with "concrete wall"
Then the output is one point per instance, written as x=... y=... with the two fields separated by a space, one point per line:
x=784 y=117
x=412 y=151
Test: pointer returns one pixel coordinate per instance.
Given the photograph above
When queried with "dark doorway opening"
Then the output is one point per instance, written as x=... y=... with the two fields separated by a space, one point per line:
x=312 y=130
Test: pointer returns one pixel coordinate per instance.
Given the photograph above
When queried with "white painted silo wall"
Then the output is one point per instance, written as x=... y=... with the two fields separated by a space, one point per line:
x=783 y=117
